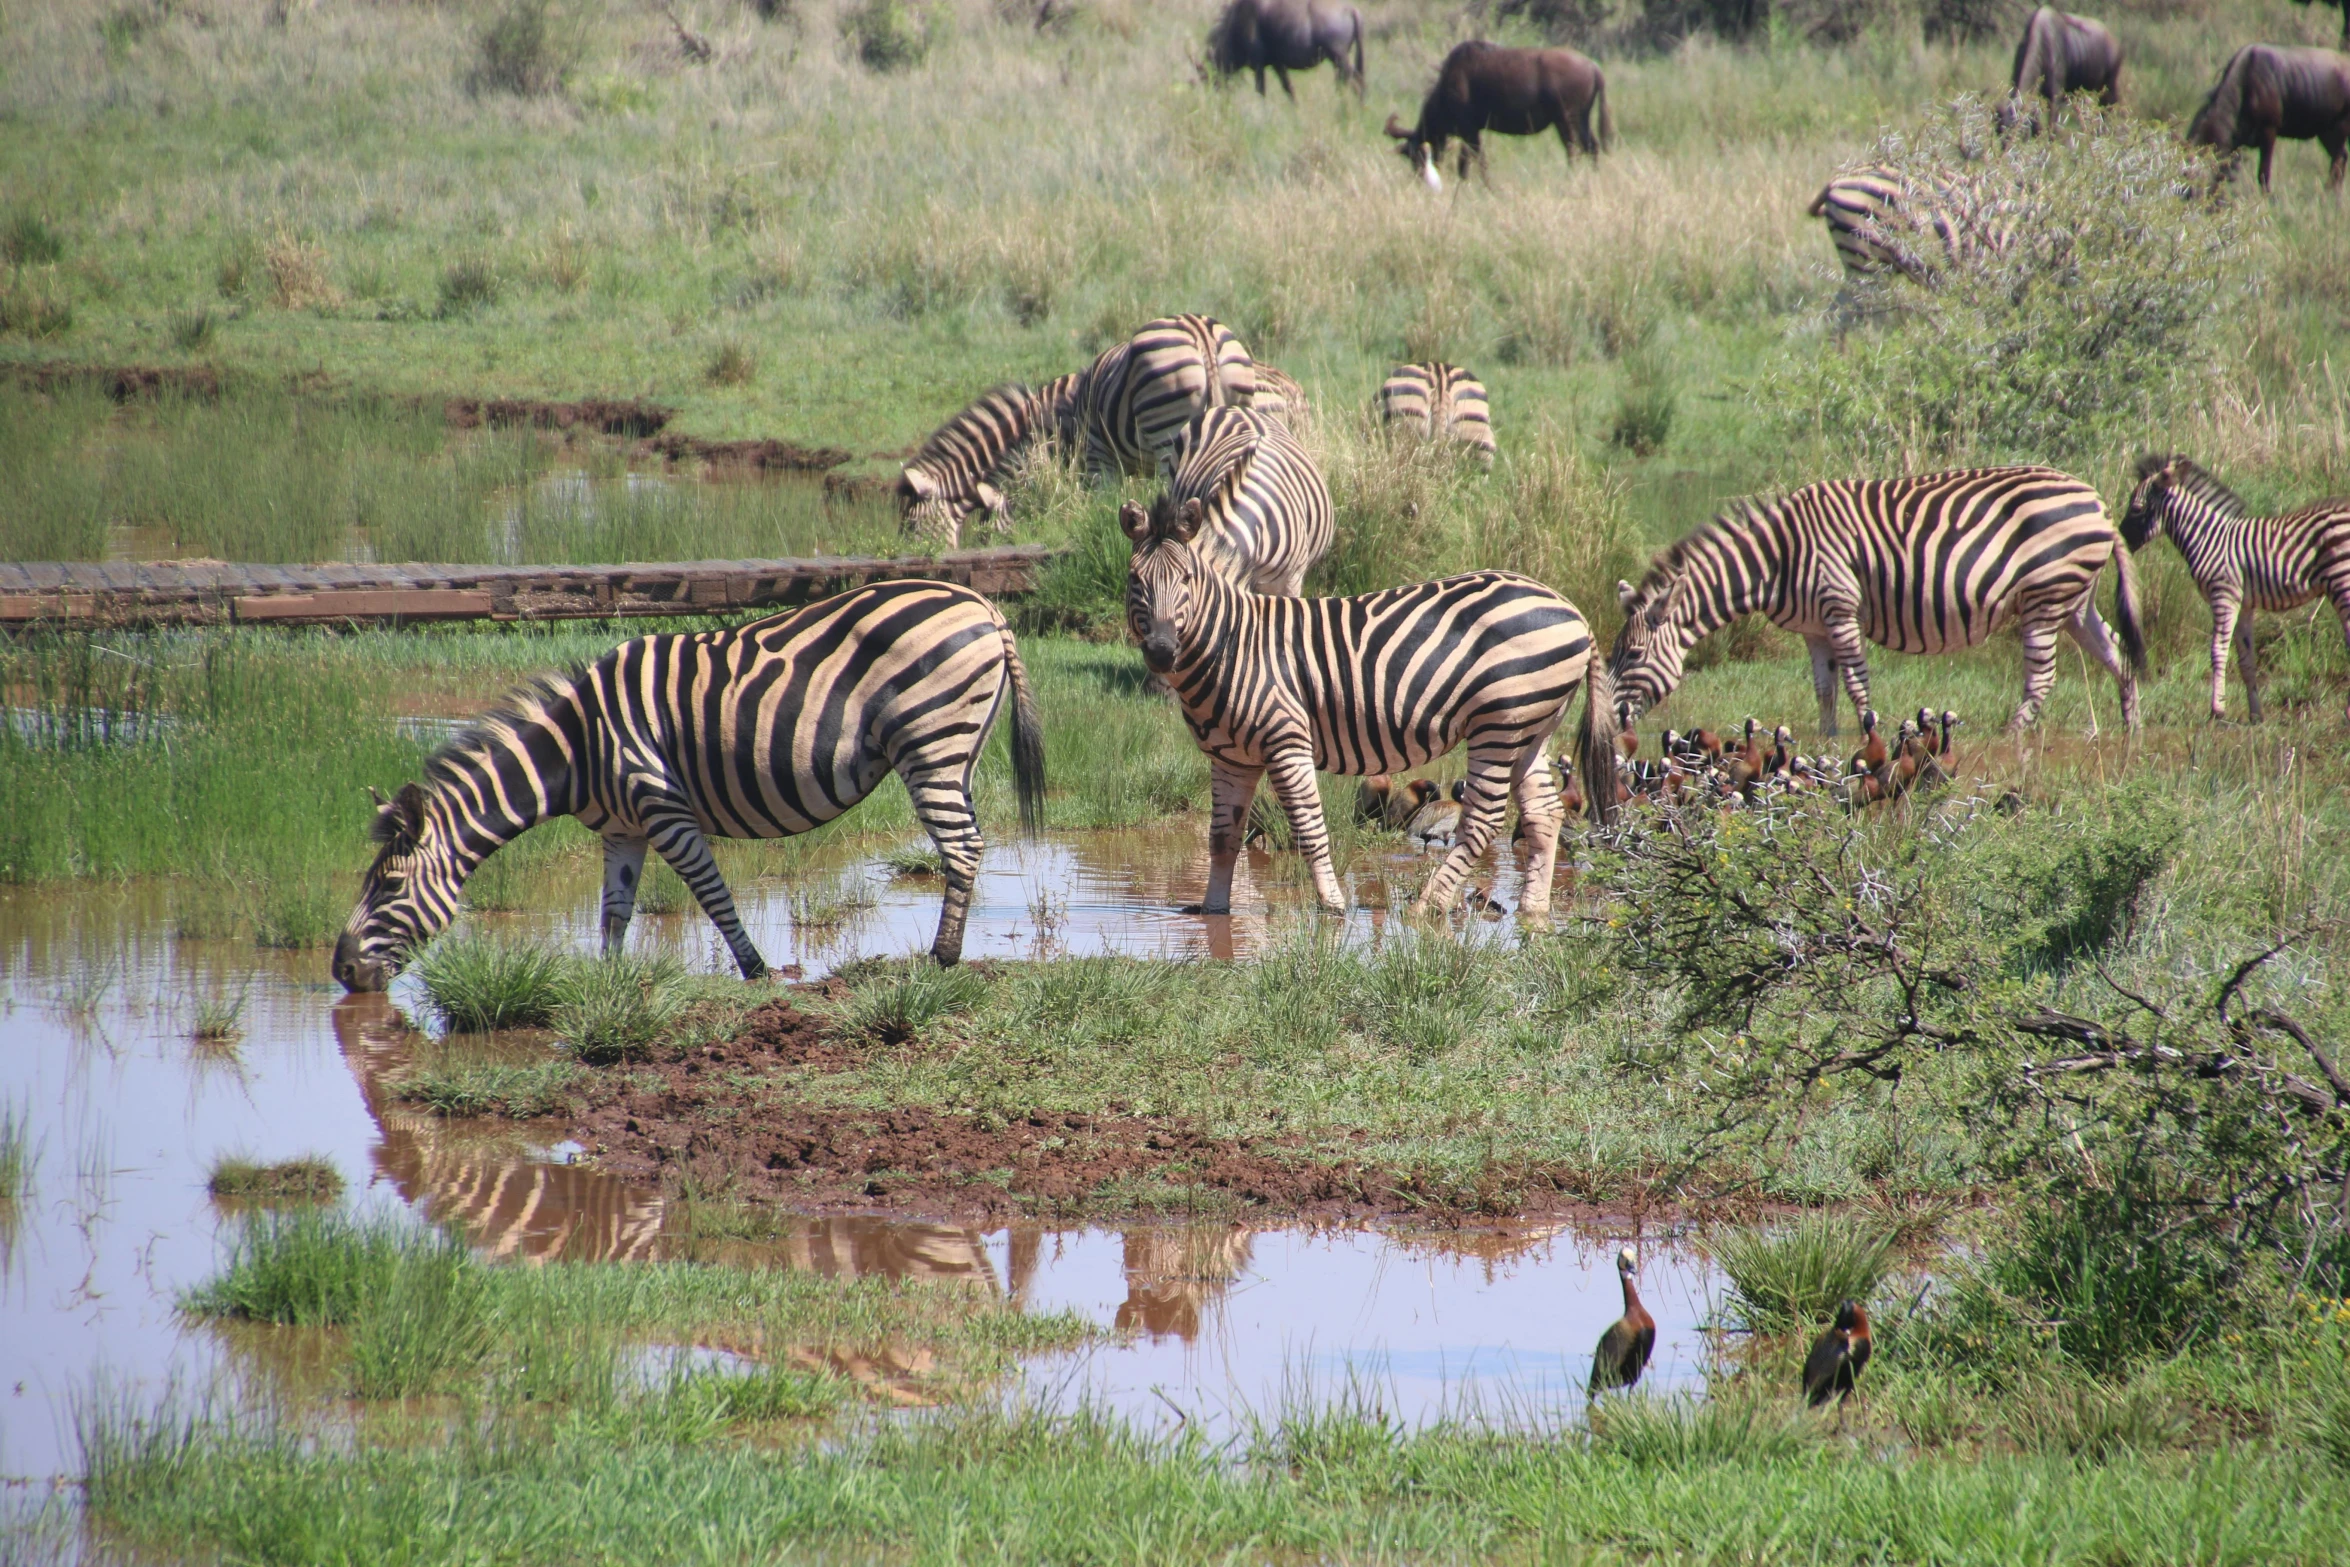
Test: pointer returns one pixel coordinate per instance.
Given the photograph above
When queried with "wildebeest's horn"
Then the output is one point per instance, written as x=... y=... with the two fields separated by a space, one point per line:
x=1396 y=130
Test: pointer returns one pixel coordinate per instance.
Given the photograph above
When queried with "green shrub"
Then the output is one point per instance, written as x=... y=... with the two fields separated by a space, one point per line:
x=616 y=1009
x=2107 y=305
x=1795 y=1276
x=522 y=50
x=475 y=984
x=890 y=35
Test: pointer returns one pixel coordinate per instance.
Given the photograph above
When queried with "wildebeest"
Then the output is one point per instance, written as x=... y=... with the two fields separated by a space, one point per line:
x=1288 y=35
x=2267 y=92
x=1516 y=92
x=2061 y=54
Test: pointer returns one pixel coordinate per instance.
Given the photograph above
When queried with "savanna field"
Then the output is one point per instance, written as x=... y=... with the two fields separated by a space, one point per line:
x=1142 y=1235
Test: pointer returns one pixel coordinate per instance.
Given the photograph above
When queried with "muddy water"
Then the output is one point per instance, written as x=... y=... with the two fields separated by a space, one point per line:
x=98 y=992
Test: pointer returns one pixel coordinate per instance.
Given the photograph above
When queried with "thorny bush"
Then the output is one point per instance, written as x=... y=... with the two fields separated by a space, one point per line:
x=2181 y=1144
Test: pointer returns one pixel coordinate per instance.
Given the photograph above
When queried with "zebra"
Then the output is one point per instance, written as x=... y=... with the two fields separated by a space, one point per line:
x=1277 y=394
x=1379 y=683
x=1923 y=565
x=763 y=730
x=1438 y=401
x=1135 y=399
x=953 y=477
x=1878 y=223
x=1254 y=496
x=2240 y=562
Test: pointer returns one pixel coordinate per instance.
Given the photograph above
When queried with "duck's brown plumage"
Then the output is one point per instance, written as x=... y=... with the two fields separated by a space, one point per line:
x=1839 y=1356
x=1625 y=1347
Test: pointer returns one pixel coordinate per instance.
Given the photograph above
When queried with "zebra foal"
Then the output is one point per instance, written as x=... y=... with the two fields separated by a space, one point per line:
x=1924 y=565
x=1378 y=683
x=953 y=478
x=2240 y=562
x=1438 y=402
x=761 y=731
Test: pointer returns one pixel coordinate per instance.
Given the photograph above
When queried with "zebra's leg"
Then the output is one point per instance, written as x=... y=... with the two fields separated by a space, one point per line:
x=2039 y=639
x=1292 y=777
x=681 y=843
x=942 y=804
x=1823 y=681
x=1852 y=661
x=2251 y=669
x=1537 y=791
x=1488 y=796
x=2087 y=628
x=1230 y=789
x=624 y=869
x=2225 y=608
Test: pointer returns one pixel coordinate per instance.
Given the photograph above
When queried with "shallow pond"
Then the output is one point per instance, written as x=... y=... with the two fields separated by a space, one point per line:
x=129 y=1113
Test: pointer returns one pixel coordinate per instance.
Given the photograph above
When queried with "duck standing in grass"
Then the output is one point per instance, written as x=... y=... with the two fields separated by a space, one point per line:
x=1837 y=1359
x=1624 y=1348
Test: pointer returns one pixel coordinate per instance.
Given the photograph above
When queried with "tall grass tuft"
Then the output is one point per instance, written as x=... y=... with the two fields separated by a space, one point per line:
x=191 y=328
x=522 y=50
x=471 y=282
x=733 y=364
x=309 y=1179
x=617 y=1008
x=1795 y=1276
x=1682 y=1432
x=889 y=35
x=900 y=1007
x=475 y=984
x=305 y=1268
x=219 y=1018
x=2094 y=1421
x=28 y=240
x=17 y=1152
x=431 y=1318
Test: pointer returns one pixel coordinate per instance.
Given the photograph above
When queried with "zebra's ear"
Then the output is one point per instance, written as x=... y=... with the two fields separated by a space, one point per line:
x=1624 y=594
x=1135 y=521
x=399 y=821
x=921 y=482
x=991 y=499
x=1187 y=520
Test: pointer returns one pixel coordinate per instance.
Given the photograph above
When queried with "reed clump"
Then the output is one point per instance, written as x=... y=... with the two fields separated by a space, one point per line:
x=283 y=1182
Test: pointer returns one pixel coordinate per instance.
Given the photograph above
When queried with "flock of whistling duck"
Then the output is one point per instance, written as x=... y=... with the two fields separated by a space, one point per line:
x=1836 y=1361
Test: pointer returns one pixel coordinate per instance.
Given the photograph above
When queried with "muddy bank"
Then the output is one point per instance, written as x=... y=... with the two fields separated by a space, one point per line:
x=736 y=1119
x=600 y=416
x=765 y=456
x=123 y=383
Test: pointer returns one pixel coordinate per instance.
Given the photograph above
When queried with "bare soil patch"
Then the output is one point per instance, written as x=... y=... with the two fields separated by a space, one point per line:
x=123 y=383
x=601 y=416
x=766 y=456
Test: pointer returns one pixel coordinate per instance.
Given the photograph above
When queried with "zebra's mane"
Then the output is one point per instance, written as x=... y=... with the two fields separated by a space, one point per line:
x=2200 y=485
x=1668 y=570
x=523 y=705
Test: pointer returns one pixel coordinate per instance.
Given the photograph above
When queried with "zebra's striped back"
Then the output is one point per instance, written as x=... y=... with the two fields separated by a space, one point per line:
x=1139 y=394
x=953 y=476
x=1879 y=224
x=1282 y=397
x=1922 y=565
x=1438 y=401
x=1266 y=511
x=762 y=730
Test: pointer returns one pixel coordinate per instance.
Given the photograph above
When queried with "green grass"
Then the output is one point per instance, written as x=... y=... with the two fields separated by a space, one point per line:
x=614 y=1009
x=1794 y=1276
x=309 y=1179
x=474 y=1088
x=479 y=984
x=18 y=1152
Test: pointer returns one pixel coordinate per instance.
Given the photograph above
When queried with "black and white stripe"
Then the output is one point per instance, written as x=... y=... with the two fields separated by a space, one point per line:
x=1261 y=509
x=1379 y=683
x=2240 y=562
x=953 y=477
x=1137 y=397
x=1438 y=402
x=761 y=731
x=1879 y=224
x=1925 y=565
x=1279 y=395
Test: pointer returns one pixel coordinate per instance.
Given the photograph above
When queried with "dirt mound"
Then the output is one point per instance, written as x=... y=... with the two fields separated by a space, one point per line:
x=601 y=416
x=124 y=383
x=733 y=1118
x=759 y=456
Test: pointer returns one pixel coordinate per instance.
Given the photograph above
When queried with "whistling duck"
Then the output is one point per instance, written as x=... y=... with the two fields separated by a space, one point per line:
x=1837 y=1360
x=1949 y=722
x=1624 y=1348
x=1372 y=798
x=1404 y=803
x=1437 y=819
x=1871 y=754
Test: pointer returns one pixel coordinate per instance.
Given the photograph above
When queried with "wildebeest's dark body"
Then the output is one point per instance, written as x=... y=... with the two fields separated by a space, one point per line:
x=1288 y=35
x=1515 y=92
x=2060 y=54
x=2267 y=92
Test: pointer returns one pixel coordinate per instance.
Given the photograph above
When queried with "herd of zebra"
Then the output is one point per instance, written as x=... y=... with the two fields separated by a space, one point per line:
x=773 y=727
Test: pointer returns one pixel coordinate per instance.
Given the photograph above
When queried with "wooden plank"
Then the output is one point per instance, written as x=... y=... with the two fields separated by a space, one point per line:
x=368 y=604
x=47 y=606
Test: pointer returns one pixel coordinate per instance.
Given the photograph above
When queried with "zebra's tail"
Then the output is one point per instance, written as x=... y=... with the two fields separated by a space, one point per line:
x=2126 y=618
x=1027 y=740
x=1607 y=122
x=1595 y=741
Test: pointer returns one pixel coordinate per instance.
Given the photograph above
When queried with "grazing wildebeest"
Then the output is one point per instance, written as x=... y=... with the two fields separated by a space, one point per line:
x=2061 y=54
x=1516 y=92
x=1288 y=35
x=2267 y=92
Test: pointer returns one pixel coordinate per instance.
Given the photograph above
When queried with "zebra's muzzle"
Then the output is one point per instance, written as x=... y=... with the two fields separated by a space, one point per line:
x=355 y=971
x=1159 y=652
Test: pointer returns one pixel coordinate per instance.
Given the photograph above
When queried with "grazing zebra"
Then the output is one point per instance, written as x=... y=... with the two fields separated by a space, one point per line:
x=1254 y=497
x=953 y=477
x=1923 y=565
x=1283 y=398
x=1879 y=224
x=760 y=731
x=1438 y=402
x=1378 y=683
x=1137 y=397
x=2240 y=562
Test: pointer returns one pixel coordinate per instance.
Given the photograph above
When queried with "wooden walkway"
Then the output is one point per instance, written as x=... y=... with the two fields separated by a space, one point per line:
x=216 y=593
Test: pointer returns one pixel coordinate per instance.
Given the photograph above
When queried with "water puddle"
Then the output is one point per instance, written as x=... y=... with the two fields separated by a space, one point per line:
x=99 y=988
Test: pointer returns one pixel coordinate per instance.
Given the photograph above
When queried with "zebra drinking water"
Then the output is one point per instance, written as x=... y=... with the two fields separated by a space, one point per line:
x=761 y=731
